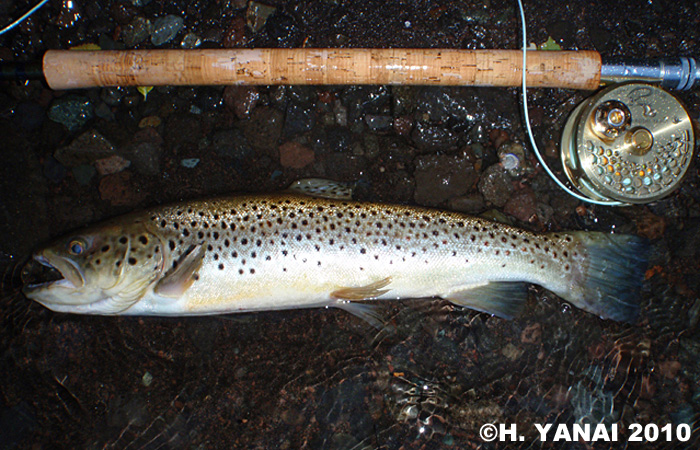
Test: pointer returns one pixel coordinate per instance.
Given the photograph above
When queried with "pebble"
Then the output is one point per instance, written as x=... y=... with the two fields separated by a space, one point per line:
x=495 y=185
x=150 y=121
x=191 y=41
x=295 y=156
x=231 y=144
x=85 y=149
x=71 y=111
x=379 y=123
x=264 y=128
x=110 y=165
x=469 y=204
x=441 y=177
x=83 y=174
x=118 y=189
x=257 y=15
x=137 y=31
x=189 y=163
x=403 y=125
x=522 y=205
x=299 y=119
x=166 y=28
x=54 y=170
x=430 y=138
x=241 y=100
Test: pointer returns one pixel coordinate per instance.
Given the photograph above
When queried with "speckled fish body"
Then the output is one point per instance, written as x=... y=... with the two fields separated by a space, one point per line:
x=284 y=251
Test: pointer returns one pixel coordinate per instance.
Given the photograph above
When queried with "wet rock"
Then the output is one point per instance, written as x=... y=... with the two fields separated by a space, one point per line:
x=145 y=152
x=235 y=34
x=191 y=41
x=495 y=185
x=430 y=138
x=103 y=111
x=54 y=170
x=182 y=130
x=361 y=100
x=454 y=106
x=110 y=165
x=299 y=119
x=166 y=28
x=650 y=225
x=71 y=111
x=295 y=155
x=512 y=157
x=123 y=12
x=403 y=125
x=150 y=121
x=331 y=140
x=85 y=149
x=441 y=177
x=137 y=31
x=112 y=96
x=241 y=99
x=282 y=31
x=345 y=166
x=263 y=129
x=257 y=14
x=522 y=205
x=231 y=144
x=28 y=115
x=118 y=189
x=83 y=174
x=189 y=163
x=379 y=123
x=469 y=204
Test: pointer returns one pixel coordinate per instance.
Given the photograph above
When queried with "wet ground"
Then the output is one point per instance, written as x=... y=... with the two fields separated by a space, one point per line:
x=321 y=379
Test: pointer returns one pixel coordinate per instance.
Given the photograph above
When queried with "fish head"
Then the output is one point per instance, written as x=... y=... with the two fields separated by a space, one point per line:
x=100 y=270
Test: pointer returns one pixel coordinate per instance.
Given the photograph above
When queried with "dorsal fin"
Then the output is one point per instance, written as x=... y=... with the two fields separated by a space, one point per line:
x=319 y=187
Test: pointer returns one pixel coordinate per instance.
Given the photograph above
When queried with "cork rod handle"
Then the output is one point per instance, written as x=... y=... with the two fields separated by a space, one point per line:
x=65 y=69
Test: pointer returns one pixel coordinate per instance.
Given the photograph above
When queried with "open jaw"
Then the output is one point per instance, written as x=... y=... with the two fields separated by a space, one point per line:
x=43 y=272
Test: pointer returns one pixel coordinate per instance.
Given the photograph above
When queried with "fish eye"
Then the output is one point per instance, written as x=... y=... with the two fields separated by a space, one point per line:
x=76 y=247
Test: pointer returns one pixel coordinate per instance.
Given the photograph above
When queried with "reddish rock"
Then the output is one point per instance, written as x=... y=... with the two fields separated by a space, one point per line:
x=403 y=125
x=295 y=155
x=241 y=99
x=235 y=33
x=113 y=164
x=522 y=205
x=118 y=189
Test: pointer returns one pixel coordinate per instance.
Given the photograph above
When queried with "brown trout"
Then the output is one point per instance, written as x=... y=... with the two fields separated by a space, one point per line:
x=271 y=252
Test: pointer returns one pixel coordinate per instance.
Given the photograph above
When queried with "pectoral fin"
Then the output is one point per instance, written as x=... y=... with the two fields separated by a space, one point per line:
x=502 y=299
x=178 y=280
x=318 y=187
x=367 y=292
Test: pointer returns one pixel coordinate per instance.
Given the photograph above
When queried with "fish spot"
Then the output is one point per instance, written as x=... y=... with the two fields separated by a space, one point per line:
x=252 y=271
x=200 y=235
x=227 y=243
x=162 y=223
x=240 y=271
x=244 y=241
x=132 y=261
x=216 y=256
x=195 y=277
x=221 y=266
x=185 y=232
x=234 y=254
x=171 y=245
x=123 y=240
x=216 y=235
x=105 y=249
x=118 y=263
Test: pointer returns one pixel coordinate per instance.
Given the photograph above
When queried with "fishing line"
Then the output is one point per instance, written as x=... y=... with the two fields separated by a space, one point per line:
x=530 y=135
x=23 y=17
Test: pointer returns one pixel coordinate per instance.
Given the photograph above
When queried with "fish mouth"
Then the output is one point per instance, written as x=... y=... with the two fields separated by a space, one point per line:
x=49 y=270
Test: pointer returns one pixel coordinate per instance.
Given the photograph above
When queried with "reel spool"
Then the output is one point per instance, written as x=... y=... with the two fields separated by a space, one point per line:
x=631 y=143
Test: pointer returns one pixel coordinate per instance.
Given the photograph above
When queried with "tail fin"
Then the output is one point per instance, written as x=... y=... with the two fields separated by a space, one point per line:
x=611 y=276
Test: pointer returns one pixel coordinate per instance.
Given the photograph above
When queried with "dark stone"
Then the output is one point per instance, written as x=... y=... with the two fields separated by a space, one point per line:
x=441 y=177
x=430 y=138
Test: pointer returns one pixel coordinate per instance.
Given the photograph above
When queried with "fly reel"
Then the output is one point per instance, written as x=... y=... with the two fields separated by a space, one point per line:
x=631 y=143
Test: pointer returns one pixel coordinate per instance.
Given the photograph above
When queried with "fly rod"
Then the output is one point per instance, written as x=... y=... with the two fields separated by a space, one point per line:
x=71 y=69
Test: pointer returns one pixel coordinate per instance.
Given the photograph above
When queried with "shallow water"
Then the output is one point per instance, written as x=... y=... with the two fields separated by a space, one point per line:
x=322 y=379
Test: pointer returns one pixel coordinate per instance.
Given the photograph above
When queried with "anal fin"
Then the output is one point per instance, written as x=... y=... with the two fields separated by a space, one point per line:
x=367 y=292
x=502 y=299
x=178 y=280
